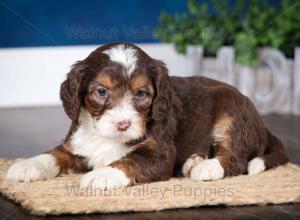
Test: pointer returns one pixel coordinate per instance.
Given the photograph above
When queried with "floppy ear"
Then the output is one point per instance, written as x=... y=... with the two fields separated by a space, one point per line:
x=70 y=90
x=163 y=103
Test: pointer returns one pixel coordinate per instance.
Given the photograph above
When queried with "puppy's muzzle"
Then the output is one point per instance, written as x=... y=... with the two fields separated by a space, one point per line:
x=123 y=125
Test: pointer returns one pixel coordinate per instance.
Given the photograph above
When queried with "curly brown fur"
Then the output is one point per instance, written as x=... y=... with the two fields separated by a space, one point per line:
x=204 y=123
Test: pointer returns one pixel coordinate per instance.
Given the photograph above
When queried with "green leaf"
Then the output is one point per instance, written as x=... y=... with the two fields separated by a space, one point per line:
x=244 y=24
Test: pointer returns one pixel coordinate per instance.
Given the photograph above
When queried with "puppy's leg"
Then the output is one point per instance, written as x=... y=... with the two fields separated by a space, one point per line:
x=40 y=167
x=145 y=164
x=44 y=166
x=226 y=161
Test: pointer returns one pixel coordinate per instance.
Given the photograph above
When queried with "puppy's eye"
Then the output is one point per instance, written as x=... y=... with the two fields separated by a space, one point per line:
x=102 y=92
x=140 y=93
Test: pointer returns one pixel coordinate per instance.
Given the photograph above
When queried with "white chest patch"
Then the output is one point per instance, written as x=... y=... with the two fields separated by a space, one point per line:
x=99 y=151
x=125 y=56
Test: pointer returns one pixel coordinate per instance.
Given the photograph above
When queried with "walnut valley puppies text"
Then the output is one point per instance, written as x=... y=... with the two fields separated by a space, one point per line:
x=151 y=191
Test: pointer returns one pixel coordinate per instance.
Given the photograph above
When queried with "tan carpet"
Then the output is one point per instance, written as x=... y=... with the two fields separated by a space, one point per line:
x=62 y=196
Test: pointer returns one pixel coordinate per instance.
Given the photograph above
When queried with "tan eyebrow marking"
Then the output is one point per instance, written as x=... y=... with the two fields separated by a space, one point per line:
x=138 y=82
x=105 y=80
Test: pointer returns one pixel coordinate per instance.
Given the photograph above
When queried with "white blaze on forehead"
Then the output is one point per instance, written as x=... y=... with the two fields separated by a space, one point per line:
x=123 y=55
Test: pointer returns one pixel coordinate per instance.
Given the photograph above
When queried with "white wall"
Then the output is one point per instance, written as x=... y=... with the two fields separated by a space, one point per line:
x=32 y=76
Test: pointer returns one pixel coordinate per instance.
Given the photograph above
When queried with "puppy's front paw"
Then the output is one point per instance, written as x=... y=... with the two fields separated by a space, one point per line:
x=104 y=178
x=37 y=168
x=209 y=169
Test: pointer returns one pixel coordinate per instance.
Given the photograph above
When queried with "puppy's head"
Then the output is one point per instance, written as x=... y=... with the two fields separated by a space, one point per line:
x=119 y=90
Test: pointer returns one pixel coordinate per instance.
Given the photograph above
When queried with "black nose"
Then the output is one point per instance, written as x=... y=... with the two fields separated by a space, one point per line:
x=123 y=125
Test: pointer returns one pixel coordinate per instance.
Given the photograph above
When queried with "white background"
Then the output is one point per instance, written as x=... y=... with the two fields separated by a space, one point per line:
x=32 y=76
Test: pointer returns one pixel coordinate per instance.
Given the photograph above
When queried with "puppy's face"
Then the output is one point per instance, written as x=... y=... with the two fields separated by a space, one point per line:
x=113 y=90
x=119 y=101
x=118 y=89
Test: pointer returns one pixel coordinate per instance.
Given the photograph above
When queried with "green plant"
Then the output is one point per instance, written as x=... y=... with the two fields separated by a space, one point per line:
x=244 y=24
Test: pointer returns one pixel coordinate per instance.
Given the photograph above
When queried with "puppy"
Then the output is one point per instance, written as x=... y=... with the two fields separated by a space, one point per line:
x=132 y=123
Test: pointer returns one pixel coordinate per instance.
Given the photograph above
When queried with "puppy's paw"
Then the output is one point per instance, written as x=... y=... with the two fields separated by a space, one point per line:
x=104 y=178
x=256 y=165
x=34 y=169
x=209 y=169
x=190 y=163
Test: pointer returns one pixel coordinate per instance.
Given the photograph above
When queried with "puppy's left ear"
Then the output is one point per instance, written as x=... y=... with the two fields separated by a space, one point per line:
x=71 y=89
x=165 y=103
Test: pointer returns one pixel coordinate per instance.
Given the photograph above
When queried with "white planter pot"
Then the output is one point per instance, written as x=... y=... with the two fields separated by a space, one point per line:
x=268 y=84
x=188 y=64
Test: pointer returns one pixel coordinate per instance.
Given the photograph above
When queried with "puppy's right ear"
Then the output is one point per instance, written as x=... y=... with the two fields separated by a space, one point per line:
x=71 y=89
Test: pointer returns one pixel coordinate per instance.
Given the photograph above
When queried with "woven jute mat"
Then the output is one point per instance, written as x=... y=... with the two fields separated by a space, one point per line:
x=62 y=195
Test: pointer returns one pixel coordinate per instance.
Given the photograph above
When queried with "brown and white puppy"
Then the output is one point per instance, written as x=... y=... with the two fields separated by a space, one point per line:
x=132 y=123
